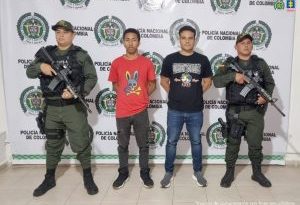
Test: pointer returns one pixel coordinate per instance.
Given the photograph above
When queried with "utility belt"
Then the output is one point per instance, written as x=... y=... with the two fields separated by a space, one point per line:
x=240 y=108
x=235 y=126
x=61 y=102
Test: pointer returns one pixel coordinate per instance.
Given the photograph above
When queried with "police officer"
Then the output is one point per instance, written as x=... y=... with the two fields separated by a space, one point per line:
x=64 y=113
x=245 y=115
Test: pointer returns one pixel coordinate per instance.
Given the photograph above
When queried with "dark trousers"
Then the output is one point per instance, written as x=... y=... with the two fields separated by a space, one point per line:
x=253 y=134
x=140 y=123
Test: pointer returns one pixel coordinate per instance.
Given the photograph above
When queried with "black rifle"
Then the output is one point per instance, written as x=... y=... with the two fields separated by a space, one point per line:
x=62 y=76
x=252 y=83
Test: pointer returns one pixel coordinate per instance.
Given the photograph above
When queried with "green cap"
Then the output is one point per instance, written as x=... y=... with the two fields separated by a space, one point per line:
x=243 y=36
x=66 y=25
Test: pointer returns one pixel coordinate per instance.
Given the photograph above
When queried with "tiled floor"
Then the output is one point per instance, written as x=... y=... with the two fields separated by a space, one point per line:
x=18 y=182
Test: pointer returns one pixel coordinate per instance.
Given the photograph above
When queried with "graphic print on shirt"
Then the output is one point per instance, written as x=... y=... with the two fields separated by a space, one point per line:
x=132 y=84
x=186 y=69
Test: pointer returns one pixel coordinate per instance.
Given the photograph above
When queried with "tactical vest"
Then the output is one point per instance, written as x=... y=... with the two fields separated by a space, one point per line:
x=233 y=89
x=76 y=76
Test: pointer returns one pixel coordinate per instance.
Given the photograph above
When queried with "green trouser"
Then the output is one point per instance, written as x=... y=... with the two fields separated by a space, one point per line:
x=254 y=122
x=73 y=119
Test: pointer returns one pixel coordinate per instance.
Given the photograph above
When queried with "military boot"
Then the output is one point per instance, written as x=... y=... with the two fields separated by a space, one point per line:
x=228 y=177
x=47 y=184
x=89 y=183
x=259 y=177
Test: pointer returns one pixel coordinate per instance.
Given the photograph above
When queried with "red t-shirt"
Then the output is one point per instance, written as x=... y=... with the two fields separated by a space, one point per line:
x=132 y=77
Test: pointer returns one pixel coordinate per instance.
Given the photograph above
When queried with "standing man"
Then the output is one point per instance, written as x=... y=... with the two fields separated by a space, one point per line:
x=185 y=76
x=245 y=115
x=63 y=111
x=133 y=79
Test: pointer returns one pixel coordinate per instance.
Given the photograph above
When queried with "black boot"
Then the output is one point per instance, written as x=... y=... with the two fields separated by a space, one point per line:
x=89 y=183
x=259 y=177
x=228 y=177
x=145 y=177
x=47 y=184
x=122 y=178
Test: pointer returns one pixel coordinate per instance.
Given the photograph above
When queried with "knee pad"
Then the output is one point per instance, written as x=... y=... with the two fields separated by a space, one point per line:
x=55 y=134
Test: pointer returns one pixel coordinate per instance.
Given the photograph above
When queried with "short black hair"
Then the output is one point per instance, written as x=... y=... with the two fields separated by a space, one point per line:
x=187 y=28
x=132 y=30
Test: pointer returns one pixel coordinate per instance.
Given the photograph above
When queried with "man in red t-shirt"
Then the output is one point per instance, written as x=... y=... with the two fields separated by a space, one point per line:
x=133 y=79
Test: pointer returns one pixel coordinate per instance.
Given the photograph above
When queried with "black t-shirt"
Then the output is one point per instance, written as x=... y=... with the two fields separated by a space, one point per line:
x=185 y=74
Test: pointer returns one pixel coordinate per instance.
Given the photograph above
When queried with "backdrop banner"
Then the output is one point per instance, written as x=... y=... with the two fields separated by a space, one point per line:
x=99 y=25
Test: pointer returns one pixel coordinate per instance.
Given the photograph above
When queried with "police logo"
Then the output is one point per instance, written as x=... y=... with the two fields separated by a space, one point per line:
x=156 y=59
x=31 y=100
x=225 y=6
x=109 y=31
x=106 y=102
x=214 y=136
x=218 y=60
x=157 y=135
x=261 y=33
x=176 y=26
x=75 y=4
x=279 y=5
x=153 y=5
x=33 y=28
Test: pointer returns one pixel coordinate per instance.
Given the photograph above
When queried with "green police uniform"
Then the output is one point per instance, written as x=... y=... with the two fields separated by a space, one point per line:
x=67 y=115
x=249 y=116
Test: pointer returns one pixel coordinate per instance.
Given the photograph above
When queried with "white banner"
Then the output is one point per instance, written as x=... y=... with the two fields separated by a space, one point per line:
x=26 y=26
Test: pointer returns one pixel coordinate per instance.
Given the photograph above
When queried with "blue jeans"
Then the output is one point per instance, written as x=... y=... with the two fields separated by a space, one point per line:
x=193 y=122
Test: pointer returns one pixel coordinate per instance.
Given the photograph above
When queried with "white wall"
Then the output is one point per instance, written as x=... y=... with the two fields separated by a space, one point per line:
x=3 y=128
x=294 y=126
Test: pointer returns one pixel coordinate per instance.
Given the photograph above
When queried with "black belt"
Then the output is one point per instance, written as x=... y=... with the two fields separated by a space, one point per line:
x=61 y=102
x=239 y=108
